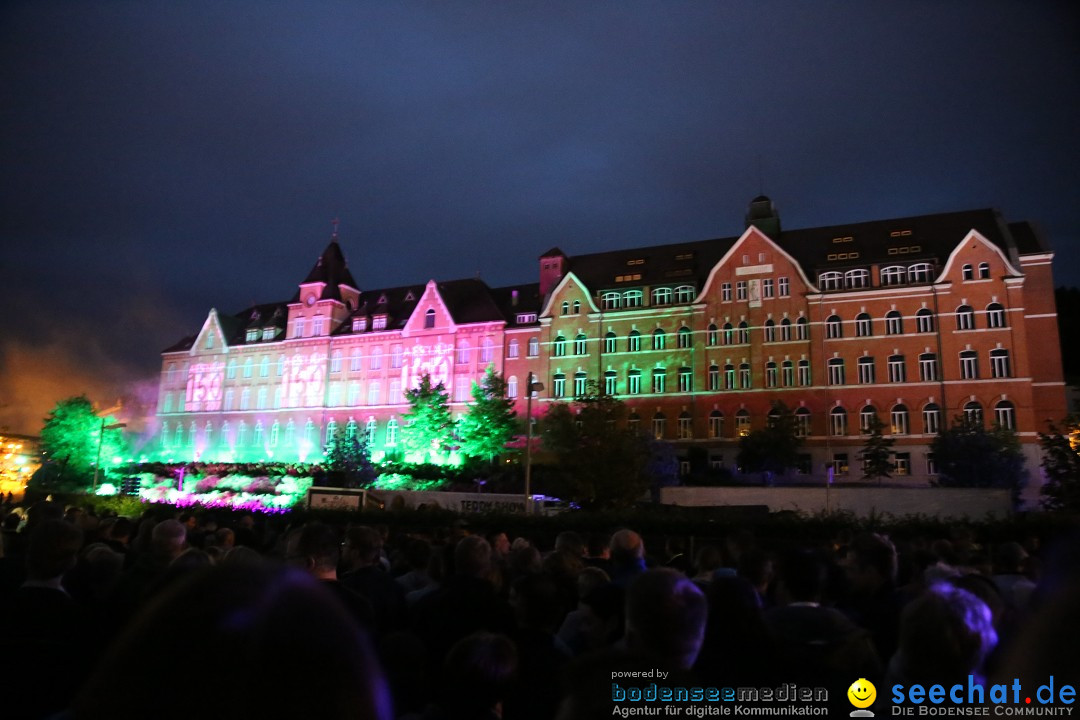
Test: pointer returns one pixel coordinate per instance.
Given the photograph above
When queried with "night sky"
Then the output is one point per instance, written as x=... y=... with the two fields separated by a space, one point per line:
x=162 y=158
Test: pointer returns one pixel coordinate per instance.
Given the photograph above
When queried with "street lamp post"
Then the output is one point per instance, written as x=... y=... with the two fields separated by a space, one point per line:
x=530 y=387
x=100 y=442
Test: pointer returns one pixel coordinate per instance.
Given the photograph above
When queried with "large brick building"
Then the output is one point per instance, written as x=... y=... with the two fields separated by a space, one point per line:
x=914 y=320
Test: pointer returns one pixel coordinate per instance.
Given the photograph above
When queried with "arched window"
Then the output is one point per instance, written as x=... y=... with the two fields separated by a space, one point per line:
x=661 y=296
x=838 y=421
x=836 y=371
x=633 y=341
x=973 y=413
x=894 y=323
x=867 y=374
x=659 y=339
x=893 y=275
x=429 y=319
x=999 y=363
x=967 y=272
x=772 y=374
x=581 y=383
x=920 y=273
x=995 y=315
x=686 y=380
x=744 y=333
x=579 y=344
x=611 y=300
x=714 y=376
x=729 y=377
x=686 y=426
x=712 y=336
x=785 y=330
x=559 y=346
x=863 y=325
x=331 y=432
x=685 y=337
x=716 y=424
x=965 y=318
x=984 y=271
x=577 y=307
x=1005 y=415
x=611 y=379
x=857 y=278
x=566 y=307
x=558 y=385
x=742 y=423
x=899 y=418
x=487 y=351
x=512 y=387
x=830 y=281
x=534 y=347
x=633 y=382
x=867 y=418
x=969 y=364
x=659 y=425
x=257 y=434
x=802 y=422
x=744 y=375
x=729 y=334
x=833 y=327
x=924 y=321
x=802 y=329
x=391 y=432
x=610 y=341
x=684 y=294
x=770 y=331
x=632 y=298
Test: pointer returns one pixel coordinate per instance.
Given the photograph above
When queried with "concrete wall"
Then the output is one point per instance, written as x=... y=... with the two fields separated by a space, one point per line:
x=972 y=503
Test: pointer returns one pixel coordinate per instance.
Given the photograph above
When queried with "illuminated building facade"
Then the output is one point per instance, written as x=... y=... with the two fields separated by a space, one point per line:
x=20 y=457
x=914 y=321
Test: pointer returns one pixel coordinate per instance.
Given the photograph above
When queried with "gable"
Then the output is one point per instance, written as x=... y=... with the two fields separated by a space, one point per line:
x=569 y=289
x=751 y=243
x=211 y=338
x=431 y=300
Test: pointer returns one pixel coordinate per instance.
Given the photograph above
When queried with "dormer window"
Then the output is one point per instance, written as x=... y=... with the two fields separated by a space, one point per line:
x=252 y=335
x=382 y=299
x=359 y=324
x=526 y=318
x=378 y=322
x=684 y=294
x=318 y=326
x=209 y=341
x=269 y=333
x=661 y=296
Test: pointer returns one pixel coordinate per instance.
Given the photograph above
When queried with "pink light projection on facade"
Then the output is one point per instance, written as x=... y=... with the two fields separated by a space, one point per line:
x=304 y=379
x=204 y=383
x=433 y=360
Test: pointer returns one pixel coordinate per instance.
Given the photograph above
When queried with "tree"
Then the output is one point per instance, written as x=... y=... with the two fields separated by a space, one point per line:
x=969 y=455
x=489 y=424
x=877 y=451
x=1061 y=463
x=69 y=443
x=774 y=448
x=428 y=430
x=605 y=464
x=350 y=459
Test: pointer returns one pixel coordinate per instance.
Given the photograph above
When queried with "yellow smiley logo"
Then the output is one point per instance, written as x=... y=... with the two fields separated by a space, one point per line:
x=862 y=693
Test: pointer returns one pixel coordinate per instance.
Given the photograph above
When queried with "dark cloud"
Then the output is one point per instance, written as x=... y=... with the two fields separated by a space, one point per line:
x=160 y=158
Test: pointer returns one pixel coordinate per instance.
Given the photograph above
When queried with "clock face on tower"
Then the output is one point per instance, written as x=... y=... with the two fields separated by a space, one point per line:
x=310 y=300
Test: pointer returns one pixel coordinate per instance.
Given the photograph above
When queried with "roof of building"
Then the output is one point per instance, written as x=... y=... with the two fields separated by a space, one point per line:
x=332 y=270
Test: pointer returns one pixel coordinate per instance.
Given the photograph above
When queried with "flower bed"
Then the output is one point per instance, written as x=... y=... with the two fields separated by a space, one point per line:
x=268 y=494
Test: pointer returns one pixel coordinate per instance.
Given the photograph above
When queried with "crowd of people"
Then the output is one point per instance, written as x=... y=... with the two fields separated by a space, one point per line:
x=180 y=614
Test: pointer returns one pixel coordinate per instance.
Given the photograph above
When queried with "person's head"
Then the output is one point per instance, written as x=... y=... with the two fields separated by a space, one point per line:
x=945 y=635
x=472 y=557
x=271 y=623
x=589 y=579
x=316 y=548
x=665 y=617
x=627 y=548
x=225 y=538
x=363 y=546
x=804 y=575
x=500 y=544
x=478 y=674
x=167 y=539
x=873 y=562
x=54 y=548
x=570 y=542
x=121 y=530
x=708 y=559
x=537 y=603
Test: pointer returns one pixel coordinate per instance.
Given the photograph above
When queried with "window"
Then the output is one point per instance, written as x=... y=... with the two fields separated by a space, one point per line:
x=893 y=275
x=633 y=341
x=686 y=380
x=609 y=342
x=359 y=324
x=833 y=327
x=395 y=395
x=210 y=346
x=984 y=271
x=804 y=372
x=770 y=331
x=534 y=347
x=686 y=338
x=378 y=322
x=373 y=393
x=924 y=321
x=867 y=418
x=686 y=427
x=802 y=422
x=355 y=360
x=659 y=380
x=740 y=289
x=633 y=382
x=744 y=375
x=862 y=325
x=260 y=399
x=566 y=307
x=729 y=334
x=857 y=278
x=744 y=333
x=969 y=364
x=729 y=377
x=902 y=463
x=318 y=326
x=866 y=371
x=632 y=298
x=610 y=301
x=931 y=416
x=920 y=273
x=894 y=323
x=658 y=339
x=298 y=332
x=967 y=272
x=352 y=394
x=787 y=373
x=376 y=358
x=716 y=424
x=309 y=433
x=559 y=347
x=714 y=376
x=772 y=374
x=712 y=335
x=577 y=307
x=350 y=429
x=784 y=285
x=659 y=425
x=247 y=367
x=830 y=281
x=463 y=352
x=429 y=319
x=973 y=413
x=251 y=336
x=333 y=396
x=558 y=385
x=838 y=421
x=836 y=371
x=725 y=292
x=372 y=426
x=684 y=294
x=275 y=432
x=610 y=382
x=1005 y=415
x=742 y=423
x=512 y=349
x=335 y=363
x=167 y=404
x=897 y=369
x=767 y=288
x=581 y=382
x=785 y=330
x=579 y=344
x=965 y=318
x=230 y=370
x=999 y=363
x=802 y=329
x=995 y=315
x=928 y=370
x=633 y=422
x=512 y=387
x=241 y=434
x=661 y=296
x=397 y=355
